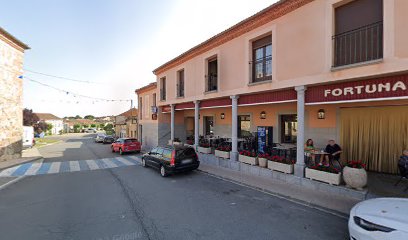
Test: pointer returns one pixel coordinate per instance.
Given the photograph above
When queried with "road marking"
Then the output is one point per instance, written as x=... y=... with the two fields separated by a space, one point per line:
x=109 y=163
x=55 y=167
x=125 y=161
x=45 y=167
x=21 y=170
x=92 y=164
x=8 y=172
x=74 y=166
x=33 y=169
x=83 y=165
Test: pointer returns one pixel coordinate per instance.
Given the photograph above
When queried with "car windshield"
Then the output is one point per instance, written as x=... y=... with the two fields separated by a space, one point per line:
x=130 y=140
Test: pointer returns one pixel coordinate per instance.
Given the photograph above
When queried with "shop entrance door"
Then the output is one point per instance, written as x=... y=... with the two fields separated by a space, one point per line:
x=288 y=128
x=208 y=125
x=375 y=135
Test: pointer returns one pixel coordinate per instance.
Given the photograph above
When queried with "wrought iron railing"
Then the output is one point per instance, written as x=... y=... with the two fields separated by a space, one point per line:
x=265 y=72
x=359 y=45
x=212 y=82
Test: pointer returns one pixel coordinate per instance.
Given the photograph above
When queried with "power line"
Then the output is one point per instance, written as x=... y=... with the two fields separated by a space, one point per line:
x=65 y=78
x=75 y=94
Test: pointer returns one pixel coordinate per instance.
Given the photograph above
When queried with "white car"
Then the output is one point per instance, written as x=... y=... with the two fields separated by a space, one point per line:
x=379 y=218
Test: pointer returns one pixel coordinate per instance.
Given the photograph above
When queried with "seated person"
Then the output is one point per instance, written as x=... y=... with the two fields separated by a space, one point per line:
x=403 y=161
x=333 y=150
x=309 y=149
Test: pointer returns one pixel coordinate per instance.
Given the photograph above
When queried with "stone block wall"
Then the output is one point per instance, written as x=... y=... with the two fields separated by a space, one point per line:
x=11 y=104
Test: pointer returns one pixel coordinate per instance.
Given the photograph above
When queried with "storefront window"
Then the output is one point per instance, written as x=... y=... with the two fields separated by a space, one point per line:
x=209 y=125
x=244 y=126
x=289 y=128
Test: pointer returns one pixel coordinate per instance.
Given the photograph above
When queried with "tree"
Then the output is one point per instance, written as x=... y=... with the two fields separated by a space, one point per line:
x=85 y=125
x=93 y=125
x=78 y=117
x=102 y=125
x=76 y=128
x=29 y=118
x=90 y=117
x=108 y=128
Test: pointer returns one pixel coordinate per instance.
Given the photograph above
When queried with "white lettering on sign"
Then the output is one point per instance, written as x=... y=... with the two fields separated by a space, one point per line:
x=369 y=89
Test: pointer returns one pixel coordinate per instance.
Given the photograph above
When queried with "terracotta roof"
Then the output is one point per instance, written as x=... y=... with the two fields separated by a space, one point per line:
x=129 y=113
x=149 y=86
x=47 y=116
x=13 y=39
x=267 y=15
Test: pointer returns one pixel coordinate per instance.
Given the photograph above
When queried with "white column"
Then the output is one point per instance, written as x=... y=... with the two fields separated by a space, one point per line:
x=196 y=122
x=300 y=158
x=234 y=127
x=172 y=123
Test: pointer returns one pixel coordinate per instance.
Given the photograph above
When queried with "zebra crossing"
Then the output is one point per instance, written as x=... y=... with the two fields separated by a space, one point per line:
x=30 y=169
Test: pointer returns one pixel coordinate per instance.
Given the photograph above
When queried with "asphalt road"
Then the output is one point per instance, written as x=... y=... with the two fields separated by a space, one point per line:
x=137 y=203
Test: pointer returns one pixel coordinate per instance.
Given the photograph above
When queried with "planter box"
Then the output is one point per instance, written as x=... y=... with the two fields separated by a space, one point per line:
x=281 y=167
x=204 y=150
x=248 y=160
x=330 y=178
x=222 y=154
x=263 y=162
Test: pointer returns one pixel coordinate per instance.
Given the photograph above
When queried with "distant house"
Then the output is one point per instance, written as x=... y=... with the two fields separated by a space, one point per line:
x=11 y=92
x=126 y=124
x=56 y=122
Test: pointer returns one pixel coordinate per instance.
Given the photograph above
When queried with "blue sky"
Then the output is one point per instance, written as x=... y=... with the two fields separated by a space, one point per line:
x=115 y=43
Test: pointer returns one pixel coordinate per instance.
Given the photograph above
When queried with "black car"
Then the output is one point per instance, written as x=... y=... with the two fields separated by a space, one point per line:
x=108 y=139
x=171 y=160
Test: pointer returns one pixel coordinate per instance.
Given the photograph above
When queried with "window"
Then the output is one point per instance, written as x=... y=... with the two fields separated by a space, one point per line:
x=358 y=32
x=208 y=125
x=154 y=99
x=244 y=126
x=262 y=59
x=289 y=128
x=212 y=75
x=153 y=151
x=180 y=83
x=167 y=153
x=141 y=107
x=163 y=89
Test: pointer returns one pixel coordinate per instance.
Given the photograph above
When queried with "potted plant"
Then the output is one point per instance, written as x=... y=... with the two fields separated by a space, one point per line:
x=324 y=174
x=248 y=157
x=223 y=152
x=263 y=159
x=355 y=175
x=280 y=164
x=204 y=148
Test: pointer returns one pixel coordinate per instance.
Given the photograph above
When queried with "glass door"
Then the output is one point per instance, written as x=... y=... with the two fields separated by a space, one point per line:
x=289 y=128
x=209 y=125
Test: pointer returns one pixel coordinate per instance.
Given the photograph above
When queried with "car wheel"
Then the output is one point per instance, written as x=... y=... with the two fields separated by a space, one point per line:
x=163 y=172
x=144 y=163
x=120 y=151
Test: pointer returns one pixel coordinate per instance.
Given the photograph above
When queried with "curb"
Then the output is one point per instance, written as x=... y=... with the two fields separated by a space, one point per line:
x=281 y=196
x=4 y=186
x=59 y=141
x=40 y=159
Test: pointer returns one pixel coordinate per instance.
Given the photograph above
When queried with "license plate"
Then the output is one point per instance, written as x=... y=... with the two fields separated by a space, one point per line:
x=187 y=161
x=133 y=145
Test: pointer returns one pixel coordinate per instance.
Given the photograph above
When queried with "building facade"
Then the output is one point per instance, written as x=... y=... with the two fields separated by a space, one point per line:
x=319 y=69
x=11 y=94
x=149 y=133
x=56 y=123
x=126 y=124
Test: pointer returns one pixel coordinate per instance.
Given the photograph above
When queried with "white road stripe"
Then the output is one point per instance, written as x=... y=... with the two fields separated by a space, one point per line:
x=74 y=166
x=9 y=171
x=92 y=164
x=55 y=167
x=125 y=161
x=33 y=169
x=134 y=158
x=109 y=163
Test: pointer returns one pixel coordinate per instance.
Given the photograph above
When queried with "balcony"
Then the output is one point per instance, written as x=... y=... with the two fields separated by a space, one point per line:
x=212 y=82
x=361 y=45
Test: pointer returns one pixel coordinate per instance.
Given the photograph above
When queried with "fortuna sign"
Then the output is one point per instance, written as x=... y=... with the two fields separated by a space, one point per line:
x=365 y=89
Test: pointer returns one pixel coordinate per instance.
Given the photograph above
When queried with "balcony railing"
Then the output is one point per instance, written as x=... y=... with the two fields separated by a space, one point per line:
x=360 y=45
x=264 y=72
x=212 y=84
x=180 y=90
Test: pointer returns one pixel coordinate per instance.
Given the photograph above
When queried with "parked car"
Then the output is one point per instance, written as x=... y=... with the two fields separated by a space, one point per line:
x=170 y=160
x=28 y=137
x=90 y=130
x=108 y=139
x=124 y=145
x=379 y=218
x=100 y=137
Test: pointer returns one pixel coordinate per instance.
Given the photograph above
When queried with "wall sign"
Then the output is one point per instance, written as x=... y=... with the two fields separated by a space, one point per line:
x=386 y=87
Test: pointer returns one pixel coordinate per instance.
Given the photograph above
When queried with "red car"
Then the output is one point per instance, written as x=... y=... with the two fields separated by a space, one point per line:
x=124 y=145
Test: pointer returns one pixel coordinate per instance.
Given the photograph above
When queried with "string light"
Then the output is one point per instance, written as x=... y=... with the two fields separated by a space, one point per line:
x=65 y=78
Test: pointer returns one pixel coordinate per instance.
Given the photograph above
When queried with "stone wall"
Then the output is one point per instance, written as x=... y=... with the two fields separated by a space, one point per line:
x=11 y=105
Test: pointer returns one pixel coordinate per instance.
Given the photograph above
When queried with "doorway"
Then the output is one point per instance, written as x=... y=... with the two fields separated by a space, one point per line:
x=208 y=125
x=289 y=127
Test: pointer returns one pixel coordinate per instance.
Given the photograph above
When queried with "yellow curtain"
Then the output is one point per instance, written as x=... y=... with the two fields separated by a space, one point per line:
x=375 y=135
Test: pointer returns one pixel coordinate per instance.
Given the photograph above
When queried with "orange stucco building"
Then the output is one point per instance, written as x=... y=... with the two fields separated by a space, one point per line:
x=320 y=69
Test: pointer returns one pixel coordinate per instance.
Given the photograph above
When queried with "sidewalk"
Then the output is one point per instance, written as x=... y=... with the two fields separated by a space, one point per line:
x=313 y=198
x=28 y=155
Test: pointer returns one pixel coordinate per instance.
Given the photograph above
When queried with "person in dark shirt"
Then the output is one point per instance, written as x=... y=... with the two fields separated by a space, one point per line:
x=333 y=150
x=403 y=161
